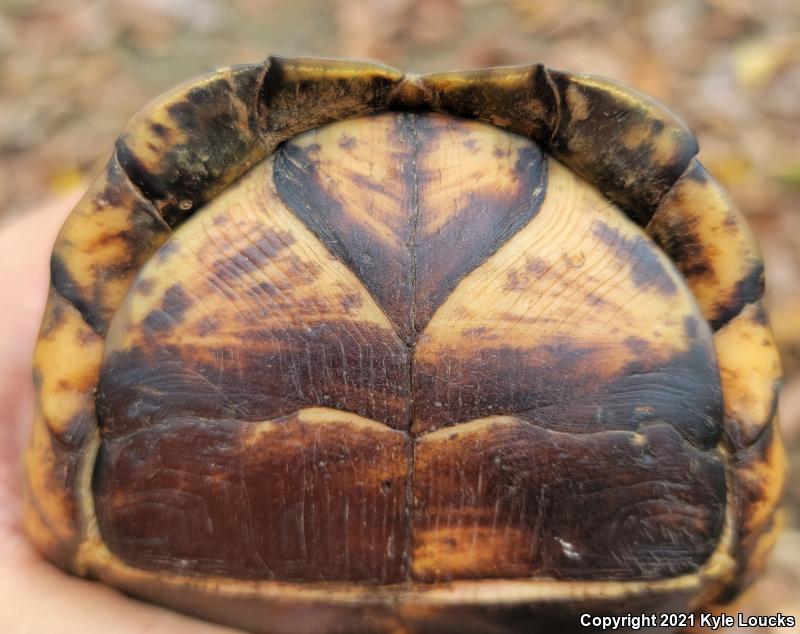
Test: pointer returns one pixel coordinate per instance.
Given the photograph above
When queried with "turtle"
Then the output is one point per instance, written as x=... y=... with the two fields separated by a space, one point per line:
x=329 y=347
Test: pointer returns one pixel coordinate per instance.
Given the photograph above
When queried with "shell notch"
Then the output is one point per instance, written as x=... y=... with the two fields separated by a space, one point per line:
x=212 y=143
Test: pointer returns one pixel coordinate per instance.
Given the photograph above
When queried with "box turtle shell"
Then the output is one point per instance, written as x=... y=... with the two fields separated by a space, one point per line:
x=334 y=348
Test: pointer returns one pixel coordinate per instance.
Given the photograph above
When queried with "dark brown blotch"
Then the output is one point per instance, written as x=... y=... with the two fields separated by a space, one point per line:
x=273 y=289
x=640 y=347
x=593 y=299
x=647 y=271
x=157 y=321
x=174 y=305
x=111 y=194
x=207 y=326
x=536 y=266
x=678 y=238
x=347 y=142
x=138 y=173
x=169 y=248
x=656 y=127
x=477 y=331
x=210 y=93
x=747 y=290
x=176 y=302
x=61 y=280
x=732 y=221
x=352 y=301
x=144 y=287
x=259 y=252
x=691 y=326
x=519 y=279
x=160 y=130
x=760 y=316
x=697 y=173
x=54 y=317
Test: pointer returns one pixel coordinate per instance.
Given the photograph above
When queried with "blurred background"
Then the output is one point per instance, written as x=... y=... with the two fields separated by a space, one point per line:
x=72 y=72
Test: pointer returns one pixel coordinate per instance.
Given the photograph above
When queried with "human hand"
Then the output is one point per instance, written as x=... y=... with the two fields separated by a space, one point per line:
x=35 y=596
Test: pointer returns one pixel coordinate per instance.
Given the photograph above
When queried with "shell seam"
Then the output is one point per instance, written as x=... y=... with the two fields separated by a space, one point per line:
x=409 y=527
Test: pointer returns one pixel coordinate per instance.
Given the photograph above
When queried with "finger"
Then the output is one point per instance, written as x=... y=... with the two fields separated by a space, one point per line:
x=37 y=597
x=23 y=289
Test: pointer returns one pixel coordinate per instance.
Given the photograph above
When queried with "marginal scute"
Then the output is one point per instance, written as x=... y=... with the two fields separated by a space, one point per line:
x=199 y=138
x=65 y=365
x=520 y=99
x=299 y=94
x=750 y=370
x=50 y=510
x=454 y=608
x=709 y=240
x=759 y=477
x=185 y=148
x=410 y=94
x=627 y=145
x=98 y=252
x=102 y=245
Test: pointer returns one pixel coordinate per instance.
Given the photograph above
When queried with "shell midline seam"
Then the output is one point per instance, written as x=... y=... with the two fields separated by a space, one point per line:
x=409 y=507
